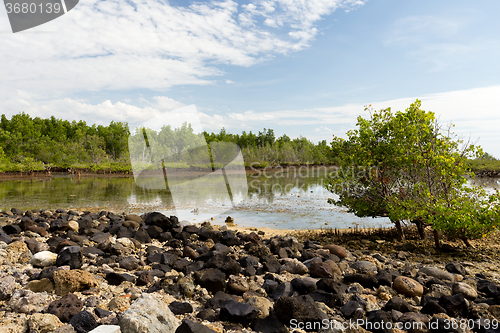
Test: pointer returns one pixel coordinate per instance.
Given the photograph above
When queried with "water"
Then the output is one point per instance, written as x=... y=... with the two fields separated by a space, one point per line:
x=282 y=200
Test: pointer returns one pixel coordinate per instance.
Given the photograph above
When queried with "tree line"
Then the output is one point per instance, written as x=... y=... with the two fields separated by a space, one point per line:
x=36 y=144
x=264 y=149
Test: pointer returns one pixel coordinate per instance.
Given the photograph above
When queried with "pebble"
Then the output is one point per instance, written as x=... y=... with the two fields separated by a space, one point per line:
x=337 y=250
x=408 y=286
x=43 y=259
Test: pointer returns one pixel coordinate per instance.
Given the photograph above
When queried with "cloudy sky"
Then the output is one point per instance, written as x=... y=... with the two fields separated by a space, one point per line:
x=301 y=67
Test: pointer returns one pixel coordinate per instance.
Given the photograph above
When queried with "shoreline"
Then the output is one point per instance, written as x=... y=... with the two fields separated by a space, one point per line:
x=86 y=173
x=250 y=170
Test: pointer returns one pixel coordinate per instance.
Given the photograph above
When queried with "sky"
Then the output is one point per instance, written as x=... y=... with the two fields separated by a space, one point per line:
x=301 y=67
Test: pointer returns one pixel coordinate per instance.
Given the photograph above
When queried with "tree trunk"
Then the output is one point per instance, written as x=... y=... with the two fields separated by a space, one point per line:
x=420 y=228
x=401 y=235
x=467 y=243
x=437 y=236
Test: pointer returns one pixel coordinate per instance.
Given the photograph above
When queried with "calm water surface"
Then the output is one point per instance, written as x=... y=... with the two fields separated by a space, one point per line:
x=284 y=200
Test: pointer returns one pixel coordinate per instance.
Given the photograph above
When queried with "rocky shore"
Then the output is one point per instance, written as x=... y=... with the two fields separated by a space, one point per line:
x=74 y=271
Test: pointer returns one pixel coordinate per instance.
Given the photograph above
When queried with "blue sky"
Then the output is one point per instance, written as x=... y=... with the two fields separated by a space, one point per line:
x=300 y=67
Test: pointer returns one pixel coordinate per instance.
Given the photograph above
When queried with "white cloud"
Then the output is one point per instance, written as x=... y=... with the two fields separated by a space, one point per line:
x=102 y=113
x=116 y=44
x=230 y=82
x=475 y=112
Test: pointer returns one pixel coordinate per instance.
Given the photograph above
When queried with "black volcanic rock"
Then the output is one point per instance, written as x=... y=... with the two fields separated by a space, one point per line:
x=159 y=220
x=116 y=279
x=302 y=308
x=331 y=285
x=454 y=267
x=269 y=324
x=142 y=236
x=70 y=255
x=154 y=231
x=83 y=322
x=271 y=264
x=379 y=321
x=454 y=305
x=238 y=312
x=284 y=289
x=179 y=308
x=366 y=281
x=211 y=278
x=208 y=314
x=397 y=303
x=129 y=263
x=304 y=285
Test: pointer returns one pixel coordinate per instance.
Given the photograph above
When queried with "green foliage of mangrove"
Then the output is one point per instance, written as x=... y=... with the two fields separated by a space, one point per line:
x=405 y=166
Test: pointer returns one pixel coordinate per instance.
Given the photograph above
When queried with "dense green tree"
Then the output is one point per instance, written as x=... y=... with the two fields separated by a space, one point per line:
x=405 y=166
